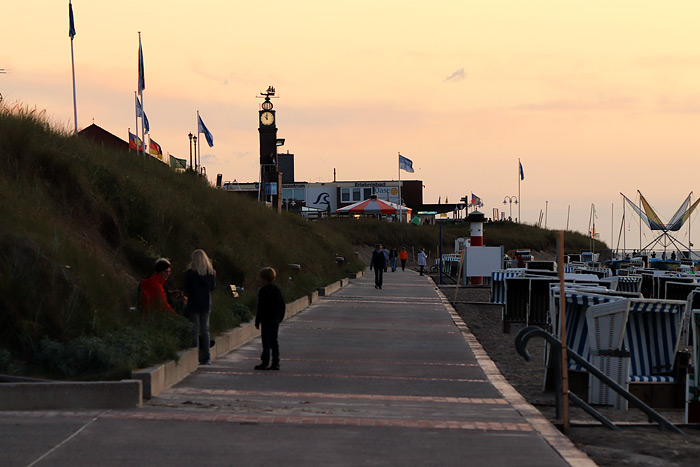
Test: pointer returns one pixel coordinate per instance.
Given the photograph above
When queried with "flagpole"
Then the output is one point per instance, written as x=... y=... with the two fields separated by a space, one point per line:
x=72 y=61
x=143 y=110
x=136 y=127
x=400 y=207
x=199 y=144
x=520 y=201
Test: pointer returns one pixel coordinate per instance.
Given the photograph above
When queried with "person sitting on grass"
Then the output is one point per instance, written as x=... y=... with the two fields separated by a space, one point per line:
x=269 y=315
x=152 y=295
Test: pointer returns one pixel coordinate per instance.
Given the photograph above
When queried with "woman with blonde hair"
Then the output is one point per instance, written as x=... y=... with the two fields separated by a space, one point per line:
x=200 y=280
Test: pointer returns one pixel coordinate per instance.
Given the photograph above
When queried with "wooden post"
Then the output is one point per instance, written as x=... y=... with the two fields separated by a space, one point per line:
x=562 y=320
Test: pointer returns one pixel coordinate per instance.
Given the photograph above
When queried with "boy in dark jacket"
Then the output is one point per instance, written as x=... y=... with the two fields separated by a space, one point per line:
x=269 y=315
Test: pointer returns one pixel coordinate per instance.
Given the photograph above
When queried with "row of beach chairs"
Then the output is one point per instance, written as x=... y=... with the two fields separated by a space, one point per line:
x=632 y=339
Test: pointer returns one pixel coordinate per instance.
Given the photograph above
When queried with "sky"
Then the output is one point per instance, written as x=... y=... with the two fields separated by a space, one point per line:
x=595 y=98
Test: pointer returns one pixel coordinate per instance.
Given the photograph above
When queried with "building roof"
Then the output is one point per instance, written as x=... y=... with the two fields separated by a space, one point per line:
x=100 y=135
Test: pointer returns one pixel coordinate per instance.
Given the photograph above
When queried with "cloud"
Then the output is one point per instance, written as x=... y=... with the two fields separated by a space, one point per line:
x=458 y=75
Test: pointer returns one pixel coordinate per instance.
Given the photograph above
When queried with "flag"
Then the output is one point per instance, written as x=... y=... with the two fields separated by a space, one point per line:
x=71 y=22
x=135 y=142
x=476 y=201
x=405 y=164
x=203 y=129
x=522 y=174
x=176 y=163
x=154 y=148
x=141 y=113
x=142 y=77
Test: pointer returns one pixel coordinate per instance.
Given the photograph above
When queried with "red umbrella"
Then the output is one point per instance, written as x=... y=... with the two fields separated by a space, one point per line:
x=372 y=206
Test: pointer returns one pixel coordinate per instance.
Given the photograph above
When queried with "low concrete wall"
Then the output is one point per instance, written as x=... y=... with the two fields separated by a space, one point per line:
x=329 y=289
x=123 y=394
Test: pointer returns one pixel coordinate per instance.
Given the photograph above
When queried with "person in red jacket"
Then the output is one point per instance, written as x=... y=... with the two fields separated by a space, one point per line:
x=152 y=290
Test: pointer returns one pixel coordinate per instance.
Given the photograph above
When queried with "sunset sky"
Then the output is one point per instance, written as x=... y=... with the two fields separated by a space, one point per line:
x=594 y=97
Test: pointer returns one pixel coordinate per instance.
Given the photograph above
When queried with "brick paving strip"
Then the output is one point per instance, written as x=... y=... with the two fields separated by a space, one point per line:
x=179 y=415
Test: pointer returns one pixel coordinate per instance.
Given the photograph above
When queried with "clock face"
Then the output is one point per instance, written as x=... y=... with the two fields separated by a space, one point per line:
x=267 y=118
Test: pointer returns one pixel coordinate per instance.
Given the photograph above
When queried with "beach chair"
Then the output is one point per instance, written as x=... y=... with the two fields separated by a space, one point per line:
x=578 y=301
x=676 y=290
x=527 y=300
x=606 y=331
x=652 y=337
x=628 y=283
x=498 y=284
x=660 y=282
x=692 y=387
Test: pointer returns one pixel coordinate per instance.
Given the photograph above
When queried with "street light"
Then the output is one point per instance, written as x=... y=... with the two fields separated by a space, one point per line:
x=190 y=135
x=510 y=200
x=194 y=139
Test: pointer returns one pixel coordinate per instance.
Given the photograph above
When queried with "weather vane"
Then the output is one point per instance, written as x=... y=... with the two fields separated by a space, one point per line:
x=270 y=93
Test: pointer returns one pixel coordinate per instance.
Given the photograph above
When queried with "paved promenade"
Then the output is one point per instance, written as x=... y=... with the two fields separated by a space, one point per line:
x=368 y=377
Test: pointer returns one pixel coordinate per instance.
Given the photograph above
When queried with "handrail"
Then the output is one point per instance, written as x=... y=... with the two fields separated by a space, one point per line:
x=529 y=332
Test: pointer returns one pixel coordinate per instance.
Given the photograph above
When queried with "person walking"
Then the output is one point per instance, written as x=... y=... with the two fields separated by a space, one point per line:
x=269 y=315
x=403 y=256
x=378 y=262
x=386 y=259
x=200 y=280
x=393 y=256
x=422 y=260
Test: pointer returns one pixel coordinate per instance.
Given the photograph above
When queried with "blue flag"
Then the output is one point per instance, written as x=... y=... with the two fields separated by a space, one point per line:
x=71 y=22
x=142 y=77
x=522 y=175
x=405 y=164
x=207 y=133
x=141 y=113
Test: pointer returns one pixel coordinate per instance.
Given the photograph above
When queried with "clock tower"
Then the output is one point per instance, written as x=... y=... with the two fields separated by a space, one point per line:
x=270 y=176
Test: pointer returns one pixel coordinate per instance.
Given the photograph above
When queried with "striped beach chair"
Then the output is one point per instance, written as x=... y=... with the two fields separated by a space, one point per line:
x=577 y=304
x=498 y=283
x=652 y=337
x=692 y=388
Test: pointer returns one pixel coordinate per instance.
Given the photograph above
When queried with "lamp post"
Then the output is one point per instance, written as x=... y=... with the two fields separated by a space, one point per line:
x=510 y=200
x=190 y=135
x=194 y=139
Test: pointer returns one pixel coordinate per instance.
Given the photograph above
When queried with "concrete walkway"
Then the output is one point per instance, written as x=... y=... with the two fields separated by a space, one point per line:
x=368 y=377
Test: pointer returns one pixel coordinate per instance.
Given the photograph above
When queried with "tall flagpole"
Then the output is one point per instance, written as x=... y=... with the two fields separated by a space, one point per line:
x=141 y=87
x=199 y=145
x=71 y=33
x=520 y=201
x=400 y=206
x=136 y=128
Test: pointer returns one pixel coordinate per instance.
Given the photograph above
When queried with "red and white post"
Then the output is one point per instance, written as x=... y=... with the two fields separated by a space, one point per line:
x=476 y=235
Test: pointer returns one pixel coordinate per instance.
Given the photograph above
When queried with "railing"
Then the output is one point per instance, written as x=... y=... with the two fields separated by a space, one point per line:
x=529 y=332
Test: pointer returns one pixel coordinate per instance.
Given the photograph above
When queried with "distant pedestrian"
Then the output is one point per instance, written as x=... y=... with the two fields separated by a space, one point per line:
x=152 y=296
x=269 y=315
x=422 y=260
x=403 y=256
x=386 y=258
x=378 y=262
x=393 y=256
x=673 y=256
x=663 y=255
x=200 y=280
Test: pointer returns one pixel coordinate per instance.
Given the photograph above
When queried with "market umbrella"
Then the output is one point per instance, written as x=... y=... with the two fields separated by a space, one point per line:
x=373 y=205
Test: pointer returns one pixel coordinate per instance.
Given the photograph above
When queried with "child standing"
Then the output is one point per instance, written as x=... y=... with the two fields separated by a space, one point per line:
x=269 y=315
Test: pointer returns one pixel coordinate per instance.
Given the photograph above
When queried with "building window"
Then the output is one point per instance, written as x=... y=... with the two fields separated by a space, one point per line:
x=345 y=195
x=367 y=193
x=357 y=194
